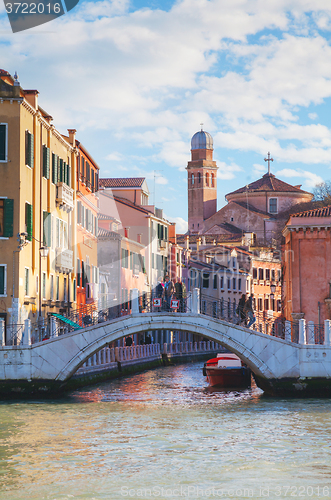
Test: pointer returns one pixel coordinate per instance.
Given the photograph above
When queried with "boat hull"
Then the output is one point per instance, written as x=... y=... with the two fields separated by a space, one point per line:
x=229 y=377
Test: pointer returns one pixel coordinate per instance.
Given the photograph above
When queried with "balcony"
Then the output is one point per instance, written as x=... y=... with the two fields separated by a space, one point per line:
x=64 y=196
x=64 y=260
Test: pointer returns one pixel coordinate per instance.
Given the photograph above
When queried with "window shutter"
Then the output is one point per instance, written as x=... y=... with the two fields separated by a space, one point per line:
x=29 y=149
x=96 y=226
x=3 y=142
x=68 y=175
x=2 y=280
x=28 y=220
x=46 y=161
x=96 y=181
x=79 y=212
x=61 y=170
x=92 y=179
x=47 y=229
x=8 y=217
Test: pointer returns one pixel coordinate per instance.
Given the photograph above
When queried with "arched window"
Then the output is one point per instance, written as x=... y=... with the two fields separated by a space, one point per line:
x=207 y=179
x=199 y=177
x=192 y=179
x=212 y=180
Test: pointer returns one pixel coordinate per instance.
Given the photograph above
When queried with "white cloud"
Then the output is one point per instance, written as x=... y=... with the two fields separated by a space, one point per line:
x=181 y=224
x=310 y=179
x=227 y=172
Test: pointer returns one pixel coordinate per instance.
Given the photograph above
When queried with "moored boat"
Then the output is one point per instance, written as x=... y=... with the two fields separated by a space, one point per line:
x=227 y=370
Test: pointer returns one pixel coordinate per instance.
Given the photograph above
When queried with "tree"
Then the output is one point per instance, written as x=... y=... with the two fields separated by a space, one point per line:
x=322 y=193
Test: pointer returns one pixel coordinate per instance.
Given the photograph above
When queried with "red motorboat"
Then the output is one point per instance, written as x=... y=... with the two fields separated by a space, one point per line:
x=227 y=370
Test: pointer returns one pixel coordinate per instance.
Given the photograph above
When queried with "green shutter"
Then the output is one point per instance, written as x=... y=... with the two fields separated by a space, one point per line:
x=29 y=149
x=54 y=168
x=79 y=217
x=3 y=142
x=60 y=170
x=47 y=233
x=2 y=280
x=28 y=220
x=68 y=175
x=8 y=218
x=46 y=161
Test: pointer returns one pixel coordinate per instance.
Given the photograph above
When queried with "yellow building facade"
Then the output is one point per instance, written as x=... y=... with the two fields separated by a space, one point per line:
x=37 y=211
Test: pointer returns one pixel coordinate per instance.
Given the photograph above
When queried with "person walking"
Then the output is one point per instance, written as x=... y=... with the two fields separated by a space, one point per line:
x=240 y=309
x=168 y=292
x=249 y=309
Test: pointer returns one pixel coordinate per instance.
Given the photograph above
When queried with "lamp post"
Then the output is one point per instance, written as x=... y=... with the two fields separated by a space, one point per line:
x=273 y=290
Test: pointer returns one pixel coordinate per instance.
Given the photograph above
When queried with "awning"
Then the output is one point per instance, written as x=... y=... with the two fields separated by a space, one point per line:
x=76 y=326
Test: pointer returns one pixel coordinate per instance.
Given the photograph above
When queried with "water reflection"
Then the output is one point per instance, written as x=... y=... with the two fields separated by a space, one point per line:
x=160 y=428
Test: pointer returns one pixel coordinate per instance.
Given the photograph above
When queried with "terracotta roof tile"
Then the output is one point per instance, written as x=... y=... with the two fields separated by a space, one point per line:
x=317 y=212
x=269 y=183
x=122 y=182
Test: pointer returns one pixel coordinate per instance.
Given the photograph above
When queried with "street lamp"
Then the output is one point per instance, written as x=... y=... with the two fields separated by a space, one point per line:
x=273 y=290
x=44 y=251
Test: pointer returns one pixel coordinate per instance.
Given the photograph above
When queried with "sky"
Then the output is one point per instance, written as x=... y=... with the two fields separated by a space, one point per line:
x=137 y=78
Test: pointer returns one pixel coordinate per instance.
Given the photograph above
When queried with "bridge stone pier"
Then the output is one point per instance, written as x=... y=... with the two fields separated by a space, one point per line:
x=280 y=367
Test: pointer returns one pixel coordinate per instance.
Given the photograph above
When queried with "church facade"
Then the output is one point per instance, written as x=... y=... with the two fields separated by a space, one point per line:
x=259 y=208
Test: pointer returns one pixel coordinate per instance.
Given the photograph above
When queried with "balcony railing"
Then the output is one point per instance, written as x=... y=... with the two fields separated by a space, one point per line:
x=64 y=196
x=64 y=260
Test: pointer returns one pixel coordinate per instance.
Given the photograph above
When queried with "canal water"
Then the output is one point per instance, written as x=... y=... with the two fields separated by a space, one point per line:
x=164 y=434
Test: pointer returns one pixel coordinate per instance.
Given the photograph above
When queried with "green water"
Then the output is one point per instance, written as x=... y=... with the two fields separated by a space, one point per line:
x=164 y=434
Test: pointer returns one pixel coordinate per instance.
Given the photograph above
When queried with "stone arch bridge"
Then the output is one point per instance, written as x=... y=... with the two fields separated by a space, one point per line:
x=279 y=366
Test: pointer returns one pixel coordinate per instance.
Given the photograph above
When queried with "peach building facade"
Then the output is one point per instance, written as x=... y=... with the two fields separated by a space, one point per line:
x=307 y=266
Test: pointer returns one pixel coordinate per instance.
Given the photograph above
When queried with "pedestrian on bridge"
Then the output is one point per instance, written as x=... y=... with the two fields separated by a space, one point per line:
x=180 y=294
x=241 y=309
x=249 y=309
x=168 y=292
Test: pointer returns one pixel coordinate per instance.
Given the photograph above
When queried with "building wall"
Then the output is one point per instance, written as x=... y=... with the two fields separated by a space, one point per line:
x=307 y=272
x=28 y=185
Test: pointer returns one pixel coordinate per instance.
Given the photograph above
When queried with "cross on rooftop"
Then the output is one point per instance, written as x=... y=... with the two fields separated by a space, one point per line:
x=268 y=160
x=201 y=124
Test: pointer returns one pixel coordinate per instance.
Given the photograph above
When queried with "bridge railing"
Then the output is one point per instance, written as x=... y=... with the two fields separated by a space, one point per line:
x=264 y=321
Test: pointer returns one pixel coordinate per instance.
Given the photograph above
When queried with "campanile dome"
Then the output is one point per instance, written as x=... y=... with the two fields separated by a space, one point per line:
x=202 y=140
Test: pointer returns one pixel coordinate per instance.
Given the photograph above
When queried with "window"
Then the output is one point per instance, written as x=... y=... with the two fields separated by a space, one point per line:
x=55 y=160
x=273 y=205
x=28 y=221
x=74 y=291
x=47 y=233
x=26 y=281
x=215 y=281
x=267 y=274
x=43 y=286
x=279 y=273
x=205 y=280
x=273 y=275
x=46 y=161
x=29 y=149
x=254 y=273
x=192 y=179
x=207 y=179
x=260 y=304
x=234 y=283
x=125 y=258
x=199 y=177
x=279 y=305
x=3 y=279
x=78 y=272
x=239 y=284
x=82 y=165
x=221 y=282
x=3 y=142
x=266 y=304
x=6 y=217
x=57 y=288
x=261 y=273
x=65 y=295
x=212 y=180
x=229 y=284
x=51 y=289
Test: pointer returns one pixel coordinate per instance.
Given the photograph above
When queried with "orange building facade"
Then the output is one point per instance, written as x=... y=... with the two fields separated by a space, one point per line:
x=307 y=266
x=87 y=228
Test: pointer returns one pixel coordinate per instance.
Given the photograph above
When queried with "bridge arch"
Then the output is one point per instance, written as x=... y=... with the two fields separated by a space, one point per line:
x=254 y=348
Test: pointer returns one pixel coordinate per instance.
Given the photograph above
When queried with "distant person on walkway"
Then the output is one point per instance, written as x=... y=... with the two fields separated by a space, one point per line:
x=240 y=309
x=148 y=339
x=168 y=292
x=249 y=309
x=128 y=341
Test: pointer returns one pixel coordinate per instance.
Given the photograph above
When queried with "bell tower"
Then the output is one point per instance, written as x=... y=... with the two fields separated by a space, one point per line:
x=202 y=181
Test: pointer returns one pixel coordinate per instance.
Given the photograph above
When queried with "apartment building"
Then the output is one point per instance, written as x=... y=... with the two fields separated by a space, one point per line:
x=37 y=209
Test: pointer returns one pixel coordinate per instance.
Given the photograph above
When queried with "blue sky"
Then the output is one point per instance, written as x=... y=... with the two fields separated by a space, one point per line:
x=137 y=78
